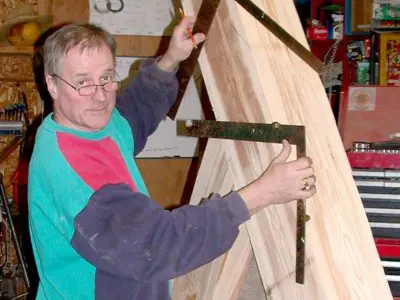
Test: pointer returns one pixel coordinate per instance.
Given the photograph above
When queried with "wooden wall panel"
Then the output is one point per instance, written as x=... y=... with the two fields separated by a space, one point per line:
x=8 y=96
x=142 y=46
x=16 y=69
x=169 y=180
x=8 y=5
x=65 y=11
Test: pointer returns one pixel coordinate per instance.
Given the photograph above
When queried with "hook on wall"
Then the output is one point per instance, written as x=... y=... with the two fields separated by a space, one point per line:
x=106 y=6
x=115 y=10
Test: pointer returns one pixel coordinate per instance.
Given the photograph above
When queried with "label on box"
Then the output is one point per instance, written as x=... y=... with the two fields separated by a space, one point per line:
x=317 y=33
x=362 y=98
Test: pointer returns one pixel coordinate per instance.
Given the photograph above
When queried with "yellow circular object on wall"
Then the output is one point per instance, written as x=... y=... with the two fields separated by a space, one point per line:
x=15 y=35
x=30 y=32
x=24 y=34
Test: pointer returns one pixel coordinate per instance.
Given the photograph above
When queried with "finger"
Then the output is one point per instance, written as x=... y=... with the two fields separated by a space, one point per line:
x=305 y=194
x=312 y=180
x=301 y=184
x=199 y=38
x=306 y=172
x=191 y=24
x=284 y=154
x=185 y=24
x=301 y=163
x=306 y=183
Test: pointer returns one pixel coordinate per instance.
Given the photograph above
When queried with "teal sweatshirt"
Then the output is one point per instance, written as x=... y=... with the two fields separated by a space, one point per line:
x=96 y=233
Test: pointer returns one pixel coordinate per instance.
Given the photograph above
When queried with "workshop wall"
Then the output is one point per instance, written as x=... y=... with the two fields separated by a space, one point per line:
x=15 y=69
x=172 y=174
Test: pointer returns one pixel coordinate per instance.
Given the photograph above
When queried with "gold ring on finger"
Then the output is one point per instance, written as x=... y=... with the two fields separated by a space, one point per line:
x=306 y=184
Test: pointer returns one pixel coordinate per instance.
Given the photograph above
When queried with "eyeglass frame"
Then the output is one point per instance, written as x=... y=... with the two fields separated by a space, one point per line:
x=91 y=85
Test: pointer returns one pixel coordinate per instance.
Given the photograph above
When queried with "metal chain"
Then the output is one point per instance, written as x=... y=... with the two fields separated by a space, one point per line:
x=329 y=59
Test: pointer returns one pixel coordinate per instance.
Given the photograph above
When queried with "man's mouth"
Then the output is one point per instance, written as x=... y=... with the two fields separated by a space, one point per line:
x=98 y=109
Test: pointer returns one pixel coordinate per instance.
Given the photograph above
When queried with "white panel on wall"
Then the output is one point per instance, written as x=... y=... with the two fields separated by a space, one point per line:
x=144 y=17
x=164 y=142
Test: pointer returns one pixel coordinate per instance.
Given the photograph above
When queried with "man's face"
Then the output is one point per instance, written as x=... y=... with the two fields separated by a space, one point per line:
x=85 y=113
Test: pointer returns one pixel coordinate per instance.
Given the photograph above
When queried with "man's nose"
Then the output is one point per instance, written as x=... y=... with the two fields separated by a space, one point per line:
x=99 y=93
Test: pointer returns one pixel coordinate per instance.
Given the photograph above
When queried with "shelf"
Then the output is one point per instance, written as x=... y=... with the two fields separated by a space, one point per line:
x=374 y=85
x=19 y=80
x=322 y=40
x=16 y=50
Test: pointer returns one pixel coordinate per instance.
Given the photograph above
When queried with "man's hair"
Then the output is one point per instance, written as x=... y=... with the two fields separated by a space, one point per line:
x=87 y=36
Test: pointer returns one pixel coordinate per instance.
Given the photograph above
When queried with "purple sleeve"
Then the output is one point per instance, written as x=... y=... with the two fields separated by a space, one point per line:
x=147 y=100
x=127 y=234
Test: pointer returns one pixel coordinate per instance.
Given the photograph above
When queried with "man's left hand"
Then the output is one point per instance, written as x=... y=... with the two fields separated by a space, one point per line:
x=181 y=45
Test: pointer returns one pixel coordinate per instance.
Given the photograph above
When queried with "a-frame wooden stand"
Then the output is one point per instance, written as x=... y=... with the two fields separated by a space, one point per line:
x=253 y=77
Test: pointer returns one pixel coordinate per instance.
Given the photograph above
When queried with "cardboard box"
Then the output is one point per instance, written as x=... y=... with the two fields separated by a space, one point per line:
x=369 y=114
x=317 y=33
x=389 y=59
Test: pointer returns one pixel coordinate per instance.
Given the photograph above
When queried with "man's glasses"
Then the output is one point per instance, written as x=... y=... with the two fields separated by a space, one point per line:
x=89 y=90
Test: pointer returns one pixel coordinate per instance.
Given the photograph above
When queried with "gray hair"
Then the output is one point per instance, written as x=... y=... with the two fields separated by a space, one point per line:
x=87 y=36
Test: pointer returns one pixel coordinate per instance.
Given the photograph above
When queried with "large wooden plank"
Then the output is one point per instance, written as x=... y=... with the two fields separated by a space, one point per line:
x=251 y=76
x=219 y=279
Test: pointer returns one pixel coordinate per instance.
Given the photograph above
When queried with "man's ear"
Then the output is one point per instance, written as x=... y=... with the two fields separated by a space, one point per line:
x=51 y=86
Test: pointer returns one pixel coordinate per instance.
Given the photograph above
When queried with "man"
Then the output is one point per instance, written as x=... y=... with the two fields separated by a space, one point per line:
x=95 y=231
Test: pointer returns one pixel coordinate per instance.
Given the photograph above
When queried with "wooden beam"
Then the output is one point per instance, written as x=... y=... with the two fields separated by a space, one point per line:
x=251 y=76
x=19 y=80
x=16 y=50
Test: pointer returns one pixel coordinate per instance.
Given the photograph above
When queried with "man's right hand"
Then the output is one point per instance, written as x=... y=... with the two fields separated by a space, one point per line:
x=281 y=182
x=181 y=45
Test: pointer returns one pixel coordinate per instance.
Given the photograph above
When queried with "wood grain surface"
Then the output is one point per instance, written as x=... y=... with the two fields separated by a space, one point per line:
x=252 y=77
